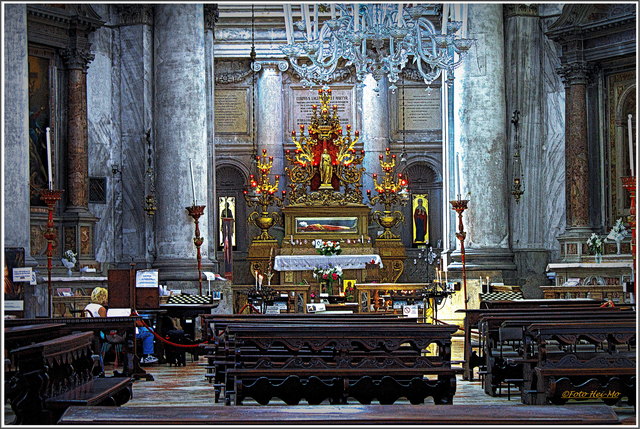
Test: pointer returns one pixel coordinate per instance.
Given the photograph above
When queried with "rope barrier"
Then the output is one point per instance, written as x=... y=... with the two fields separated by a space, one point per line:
x=164 y=340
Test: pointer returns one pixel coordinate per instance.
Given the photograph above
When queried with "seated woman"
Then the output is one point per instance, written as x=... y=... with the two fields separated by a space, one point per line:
x=97 y=308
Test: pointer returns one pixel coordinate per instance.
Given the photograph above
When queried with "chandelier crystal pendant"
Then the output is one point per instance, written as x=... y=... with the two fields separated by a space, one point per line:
x=376 y=39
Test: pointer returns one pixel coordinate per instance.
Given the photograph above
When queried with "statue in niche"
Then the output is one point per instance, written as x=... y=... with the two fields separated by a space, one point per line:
x=326 y=170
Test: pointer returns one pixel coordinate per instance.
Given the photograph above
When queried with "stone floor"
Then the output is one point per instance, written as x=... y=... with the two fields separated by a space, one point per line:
x=175 y=386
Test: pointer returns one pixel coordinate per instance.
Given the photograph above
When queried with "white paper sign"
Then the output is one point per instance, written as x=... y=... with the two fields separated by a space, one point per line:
x=22 y=274
x=410 y=311
x=209 y=275
x=147 y=278
x=273 y=309
x=13 y=305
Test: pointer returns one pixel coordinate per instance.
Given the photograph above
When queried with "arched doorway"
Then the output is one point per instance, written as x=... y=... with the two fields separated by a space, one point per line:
x=230 y=181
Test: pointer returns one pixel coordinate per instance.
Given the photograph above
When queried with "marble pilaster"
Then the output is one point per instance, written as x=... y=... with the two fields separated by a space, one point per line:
x=210 y=18
x=16 y=131
x=524 y=92
x=481 y=144
x=103 y=120
x=269 y=112
x=180 y=135
x=136 y=115
x=375 y=127
x=16 y=150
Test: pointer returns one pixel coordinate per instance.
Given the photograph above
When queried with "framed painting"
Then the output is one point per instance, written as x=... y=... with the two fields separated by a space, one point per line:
x=420 y=210
x=333 y=225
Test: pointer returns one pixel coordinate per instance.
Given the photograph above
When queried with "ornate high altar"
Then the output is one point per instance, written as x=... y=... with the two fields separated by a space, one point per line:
x=324 y=201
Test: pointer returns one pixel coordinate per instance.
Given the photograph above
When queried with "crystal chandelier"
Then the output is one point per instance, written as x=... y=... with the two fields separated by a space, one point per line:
x=377 y=39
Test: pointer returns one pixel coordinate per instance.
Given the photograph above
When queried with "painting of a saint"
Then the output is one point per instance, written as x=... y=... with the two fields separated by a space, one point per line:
x=420 y=219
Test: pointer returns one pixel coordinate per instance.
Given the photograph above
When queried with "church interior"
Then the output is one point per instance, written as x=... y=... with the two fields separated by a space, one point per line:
x=319 y=213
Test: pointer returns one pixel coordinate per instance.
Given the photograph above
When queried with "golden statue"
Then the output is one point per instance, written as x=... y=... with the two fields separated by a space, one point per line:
x=326 y=169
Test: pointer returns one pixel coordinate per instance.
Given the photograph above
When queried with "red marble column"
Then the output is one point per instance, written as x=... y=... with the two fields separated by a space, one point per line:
x=576 y=151
x=77 y=61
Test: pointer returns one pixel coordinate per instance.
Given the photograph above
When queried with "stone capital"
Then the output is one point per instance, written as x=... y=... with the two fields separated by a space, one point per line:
x=281 y=65
x=211 y=15
x=77 y=58
x=135 y=14
x=530 y=10
x=575 y=73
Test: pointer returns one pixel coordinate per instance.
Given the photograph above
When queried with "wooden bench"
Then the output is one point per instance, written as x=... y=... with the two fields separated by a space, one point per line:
x=606 y=370
x=317 y=362
x=54 y=374
x=215 y=325
x=342 y=415
x=473 y=359
x=131 y=365
x=501 y=341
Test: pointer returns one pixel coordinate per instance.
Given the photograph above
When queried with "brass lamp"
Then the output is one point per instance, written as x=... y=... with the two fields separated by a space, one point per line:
x=392 y=190
x=261 y=194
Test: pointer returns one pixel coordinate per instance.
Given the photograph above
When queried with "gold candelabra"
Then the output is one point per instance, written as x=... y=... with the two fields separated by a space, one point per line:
x=261 y=194
x=392 y=190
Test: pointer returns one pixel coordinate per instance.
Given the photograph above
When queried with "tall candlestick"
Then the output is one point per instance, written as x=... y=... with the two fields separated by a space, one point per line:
x=49 y=170
x=458 y=175
x=333 y=11
x=399 y=16
x=193 y=186
x=631 y=157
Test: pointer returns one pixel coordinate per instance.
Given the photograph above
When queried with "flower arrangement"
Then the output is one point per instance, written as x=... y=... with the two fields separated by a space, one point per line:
x=70 y=256
x=327 y=247
x=329 y=274
x=595 y=243
x=69 y=260
x=618 y=232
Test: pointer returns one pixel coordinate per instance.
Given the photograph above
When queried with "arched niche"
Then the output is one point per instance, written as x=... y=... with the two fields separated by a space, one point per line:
x=230 y=182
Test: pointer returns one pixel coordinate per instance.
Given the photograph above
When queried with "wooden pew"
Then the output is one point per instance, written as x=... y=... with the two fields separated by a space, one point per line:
x=131 y=366
x=54 y=374
x=215 y=325
x=502 y=337
x=473 y=359
x=556 y=368
x=363 y=415
x=337 y=361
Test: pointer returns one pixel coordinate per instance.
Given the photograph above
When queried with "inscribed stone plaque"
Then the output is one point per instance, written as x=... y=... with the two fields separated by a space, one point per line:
x=231 y=112
x=423 y=109
x=303 y=99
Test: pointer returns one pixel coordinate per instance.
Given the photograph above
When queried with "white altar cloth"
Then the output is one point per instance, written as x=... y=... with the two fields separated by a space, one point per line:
x=309 y=262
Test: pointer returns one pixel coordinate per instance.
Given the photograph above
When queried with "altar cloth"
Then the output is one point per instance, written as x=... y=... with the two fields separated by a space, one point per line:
x=309 y=262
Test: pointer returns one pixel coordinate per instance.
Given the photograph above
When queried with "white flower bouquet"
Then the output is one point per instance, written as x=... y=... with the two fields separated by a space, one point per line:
x=595 y=243
x=69 y=260
x=618 y=233
x=327 y=247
